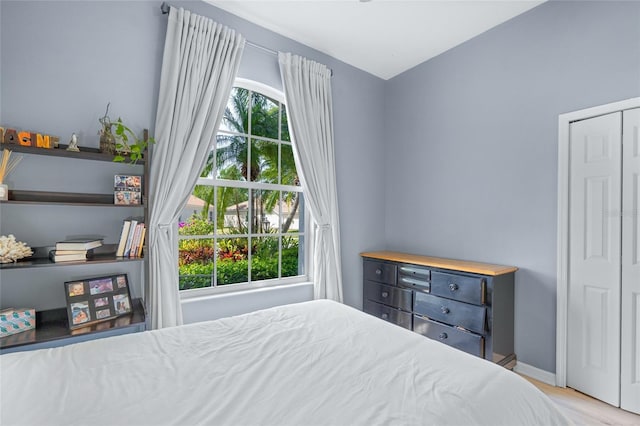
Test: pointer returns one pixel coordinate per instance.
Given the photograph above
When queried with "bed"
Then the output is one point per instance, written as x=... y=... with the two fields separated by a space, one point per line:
x=312 y=363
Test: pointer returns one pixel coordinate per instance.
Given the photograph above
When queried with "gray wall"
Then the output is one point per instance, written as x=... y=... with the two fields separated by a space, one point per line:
x=472 y=152
x=61 y=62
x=461 y=151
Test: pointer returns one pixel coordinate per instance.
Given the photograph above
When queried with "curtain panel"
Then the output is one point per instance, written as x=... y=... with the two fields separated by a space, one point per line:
x=307 y=91
x=199 y=65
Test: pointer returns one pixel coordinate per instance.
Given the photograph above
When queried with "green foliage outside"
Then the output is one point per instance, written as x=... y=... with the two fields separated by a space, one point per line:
x=196 y=257
x=257 y=122
x=196 y=226
x=198 y=275
x=253 y=114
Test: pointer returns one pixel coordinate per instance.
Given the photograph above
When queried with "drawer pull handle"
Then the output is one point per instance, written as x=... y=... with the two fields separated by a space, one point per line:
x=444 y=309
x=384 y=316
x=415 y=283
x=453 y=286
x=378 y=271
x=442 y=336
x=384 y=294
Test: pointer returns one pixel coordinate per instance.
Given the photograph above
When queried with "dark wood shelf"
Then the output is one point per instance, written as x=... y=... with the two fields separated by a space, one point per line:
x=61 y=151
x=43 y=261
x=53 y=325
x=64 y=198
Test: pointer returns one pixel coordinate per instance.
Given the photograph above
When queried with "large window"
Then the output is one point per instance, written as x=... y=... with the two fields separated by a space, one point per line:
x=244 y=221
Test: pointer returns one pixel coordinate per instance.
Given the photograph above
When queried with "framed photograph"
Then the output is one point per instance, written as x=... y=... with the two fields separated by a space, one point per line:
x=97 y=299
x=76 y=289
x=127 y=189
x=80 y=313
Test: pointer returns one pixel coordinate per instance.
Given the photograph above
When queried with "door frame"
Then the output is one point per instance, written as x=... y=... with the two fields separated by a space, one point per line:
x=562 y=273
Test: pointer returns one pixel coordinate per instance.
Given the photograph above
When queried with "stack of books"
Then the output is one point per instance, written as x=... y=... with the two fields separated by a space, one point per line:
x=131 y=239
x=74 y=249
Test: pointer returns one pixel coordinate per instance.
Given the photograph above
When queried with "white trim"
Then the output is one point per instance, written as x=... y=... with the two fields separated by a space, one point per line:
x=535 y=373
x=262 y=138
x=259 y=87
x=249 y=185
x=200 y=294
x=562 y=286
x=562 y=250
x=584 y=114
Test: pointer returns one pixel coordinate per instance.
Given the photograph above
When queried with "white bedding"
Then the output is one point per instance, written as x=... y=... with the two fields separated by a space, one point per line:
x=314 y=363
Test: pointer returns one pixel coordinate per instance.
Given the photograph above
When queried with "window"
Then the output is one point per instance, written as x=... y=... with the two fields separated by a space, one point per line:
x=244 y=222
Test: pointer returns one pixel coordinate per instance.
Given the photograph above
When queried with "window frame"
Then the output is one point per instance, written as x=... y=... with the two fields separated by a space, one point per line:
x=307 y=233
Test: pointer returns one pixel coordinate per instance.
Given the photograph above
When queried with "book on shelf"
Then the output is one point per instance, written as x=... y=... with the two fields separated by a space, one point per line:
x=138 y=240
x=123 y=238
x=131 y=238
x=79 y=244
x=133 y=250
x=68 y=252
x=56 y=256
x=141 y=244
x=132 y=228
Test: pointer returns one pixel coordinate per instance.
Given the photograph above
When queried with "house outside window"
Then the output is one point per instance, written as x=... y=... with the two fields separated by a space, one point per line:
x=244 y=225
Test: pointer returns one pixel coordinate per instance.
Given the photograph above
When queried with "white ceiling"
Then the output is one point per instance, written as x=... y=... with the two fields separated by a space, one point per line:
x=382 y=37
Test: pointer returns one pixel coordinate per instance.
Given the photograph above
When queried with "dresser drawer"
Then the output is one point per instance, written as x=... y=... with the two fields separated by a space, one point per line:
x=459 y=287
x=465 y=315
x=387 y=313
x=460 y=339
x=388 y=295
x=416 y=277
x=380 y=272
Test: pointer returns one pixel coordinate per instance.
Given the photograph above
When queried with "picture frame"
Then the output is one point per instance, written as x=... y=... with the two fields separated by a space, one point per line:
x=127 y=190
x=97 y=299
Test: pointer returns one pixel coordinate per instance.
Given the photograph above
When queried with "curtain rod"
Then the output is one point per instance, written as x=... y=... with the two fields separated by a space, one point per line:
x=164 y=7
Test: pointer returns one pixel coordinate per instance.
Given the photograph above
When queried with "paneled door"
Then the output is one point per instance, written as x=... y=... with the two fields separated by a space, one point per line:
x=630 y=306
x=593 y=333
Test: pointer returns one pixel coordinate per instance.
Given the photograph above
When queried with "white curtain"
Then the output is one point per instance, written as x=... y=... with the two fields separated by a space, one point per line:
x=307 y=92
x=199 y=66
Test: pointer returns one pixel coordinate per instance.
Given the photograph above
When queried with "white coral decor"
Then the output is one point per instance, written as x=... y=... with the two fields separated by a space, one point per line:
x=12 y=250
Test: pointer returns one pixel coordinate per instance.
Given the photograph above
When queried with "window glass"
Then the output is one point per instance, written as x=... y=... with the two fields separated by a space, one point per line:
x=244 y=221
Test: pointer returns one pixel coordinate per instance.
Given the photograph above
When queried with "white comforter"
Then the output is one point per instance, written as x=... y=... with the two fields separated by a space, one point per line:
x=314 y=363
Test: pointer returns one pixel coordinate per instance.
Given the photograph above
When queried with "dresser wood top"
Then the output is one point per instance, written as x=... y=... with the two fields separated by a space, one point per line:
x=438 y=262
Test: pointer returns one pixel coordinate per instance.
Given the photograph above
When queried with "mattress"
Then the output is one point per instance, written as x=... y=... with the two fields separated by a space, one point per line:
x=313 y=363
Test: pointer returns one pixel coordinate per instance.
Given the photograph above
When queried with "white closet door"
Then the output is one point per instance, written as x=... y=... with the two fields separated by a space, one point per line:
x=593 y=341
x=630 y=349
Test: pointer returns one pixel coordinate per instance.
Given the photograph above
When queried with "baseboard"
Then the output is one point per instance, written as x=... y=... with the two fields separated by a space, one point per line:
x=535 y=373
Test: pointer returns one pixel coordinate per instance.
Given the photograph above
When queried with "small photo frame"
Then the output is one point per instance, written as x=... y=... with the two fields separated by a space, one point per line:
x=103 y=313
x=75 y=289
x=122 y=303
x=100 y=302
x=97 y=299
x=80 y=313
x=101 y=285
x=127 y=189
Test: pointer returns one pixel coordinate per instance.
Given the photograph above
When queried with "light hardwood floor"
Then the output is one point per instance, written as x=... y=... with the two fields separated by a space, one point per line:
x=584 y=410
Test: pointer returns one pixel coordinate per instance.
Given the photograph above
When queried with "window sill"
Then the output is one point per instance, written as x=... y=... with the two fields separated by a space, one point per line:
x=199 y=295
x=213 y=306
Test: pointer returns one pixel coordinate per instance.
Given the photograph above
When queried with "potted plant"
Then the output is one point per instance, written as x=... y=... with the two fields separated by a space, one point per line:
x=118 y=139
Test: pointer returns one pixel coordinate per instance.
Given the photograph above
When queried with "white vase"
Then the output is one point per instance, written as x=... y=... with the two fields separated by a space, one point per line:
x=4 y=192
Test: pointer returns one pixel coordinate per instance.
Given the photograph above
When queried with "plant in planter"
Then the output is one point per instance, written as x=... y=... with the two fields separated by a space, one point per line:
x=118 y=139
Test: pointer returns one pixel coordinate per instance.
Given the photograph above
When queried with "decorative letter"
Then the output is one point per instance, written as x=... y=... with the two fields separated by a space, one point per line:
x=42 y=141
x=10 y=136
x=54 y=141
x=24 y=138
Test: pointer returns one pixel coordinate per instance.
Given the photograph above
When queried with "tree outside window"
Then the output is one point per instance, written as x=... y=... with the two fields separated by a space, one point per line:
x=244 y=221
